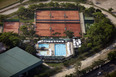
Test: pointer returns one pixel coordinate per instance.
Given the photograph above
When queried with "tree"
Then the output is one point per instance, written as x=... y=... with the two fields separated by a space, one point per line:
x=33 y=7
x=99 y=34
x=56 y=34
x=56 y=4
x=89 y=45
x=98 y=16
x=110 y=9
x=30 y=49
x=69 y=34
x=112 y=55
x=69 y=5
x=34 y=0
x=28 y=32
x=97 y=63
x=89 y=11
x=62 y=5
x=81 y=8
x=21 y=1
x=78 y=67
x=2 y=18
x=50 y=4
x=41 y=5
x=25 y=13
x=98 y=10
x=10 y=39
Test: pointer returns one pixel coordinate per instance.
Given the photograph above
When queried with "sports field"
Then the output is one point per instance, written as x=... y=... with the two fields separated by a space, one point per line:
x=4 y=3
x=11 y=27
x=49 y=22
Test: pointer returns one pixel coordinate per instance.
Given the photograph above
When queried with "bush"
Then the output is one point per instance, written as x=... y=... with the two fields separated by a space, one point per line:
x=112 y=55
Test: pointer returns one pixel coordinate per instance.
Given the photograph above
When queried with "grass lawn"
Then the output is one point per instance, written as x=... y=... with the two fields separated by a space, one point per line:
x=56 y=64
x=4 y=3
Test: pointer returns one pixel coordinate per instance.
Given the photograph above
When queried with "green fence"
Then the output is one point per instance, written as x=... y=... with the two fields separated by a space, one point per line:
x=12 y=20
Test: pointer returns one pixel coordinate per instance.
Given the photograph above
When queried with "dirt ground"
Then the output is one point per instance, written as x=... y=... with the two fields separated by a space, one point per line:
x=106 y=4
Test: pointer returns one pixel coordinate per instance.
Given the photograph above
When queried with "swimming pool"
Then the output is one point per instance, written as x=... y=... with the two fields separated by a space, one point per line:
x=44 y=45
x=60 y=50
x=43 y=53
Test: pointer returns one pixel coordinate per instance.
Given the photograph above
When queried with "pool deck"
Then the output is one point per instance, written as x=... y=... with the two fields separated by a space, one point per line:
x=51 y=46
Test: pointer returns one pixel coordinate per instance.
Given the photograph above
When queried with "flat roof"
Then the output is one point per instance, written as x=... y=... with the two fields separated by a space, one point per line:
x=16 y=61
x=11 y=26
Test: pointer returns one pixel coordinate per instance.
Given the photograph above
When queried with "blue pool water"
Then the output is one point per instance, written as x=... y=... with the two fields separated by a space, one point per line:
x=60 y=49
x=43 y=53
x=44 y=45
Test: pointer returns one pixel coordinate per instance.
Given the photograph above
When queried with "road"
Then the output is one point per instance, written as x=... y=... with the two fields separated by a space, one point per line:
x=15 y=7
x=105 y=69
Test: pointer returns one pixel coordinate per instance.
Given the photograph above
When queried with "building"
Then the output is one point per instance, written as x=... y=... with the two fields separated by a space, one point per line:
x=16 y=61
x=51 y=21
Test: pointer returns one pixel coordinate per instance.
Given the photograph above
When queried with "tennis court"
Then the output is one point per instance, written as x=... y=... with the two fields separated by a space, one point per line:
x=49 y=22
x=11 y=27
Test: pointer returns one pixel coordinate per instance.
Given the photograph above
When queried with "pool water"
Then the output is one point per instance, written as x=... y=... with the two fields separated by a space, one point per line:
x=43 y=53
x=44 y=45
x=60 y=50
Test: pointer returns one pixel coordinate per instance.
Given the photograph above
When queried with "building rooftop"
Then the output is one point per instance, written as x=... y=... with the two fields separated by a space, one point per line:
x=16 y=61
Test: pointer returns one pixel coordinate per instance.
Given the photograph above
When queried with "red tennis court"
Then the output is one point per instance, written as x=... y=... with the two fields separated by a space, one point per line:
x=44 y=32
x=42 y=26
x=74 y=28
x=58 y=26
x=11 y=27
x=49 y=22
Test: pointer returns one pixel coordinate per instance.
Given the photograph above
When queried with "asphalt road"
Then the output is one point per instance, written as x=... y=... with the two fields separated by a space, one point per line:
x=105 y=69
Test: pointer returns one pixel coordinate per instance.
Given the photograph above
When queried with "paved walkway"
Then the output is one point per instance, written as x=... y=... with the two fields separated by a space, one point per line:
x=0 y=29
x=82 y=23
